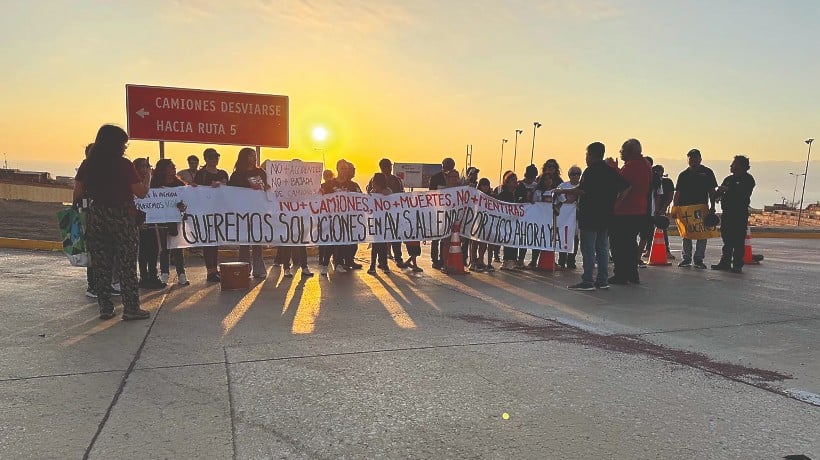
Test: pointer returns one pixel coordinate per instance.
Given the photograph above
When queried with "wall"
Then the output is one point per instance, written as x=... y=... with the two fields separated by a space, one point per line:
x=32 y=192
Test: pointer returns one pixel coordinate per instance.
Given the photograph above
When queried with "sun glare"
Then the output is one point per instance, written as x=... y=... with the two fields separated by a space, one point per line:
x=319 y=134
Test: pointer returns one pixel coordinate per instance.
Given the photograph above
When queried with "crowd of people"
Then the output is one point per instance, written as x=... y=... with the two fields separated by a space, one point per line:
x=618 y=210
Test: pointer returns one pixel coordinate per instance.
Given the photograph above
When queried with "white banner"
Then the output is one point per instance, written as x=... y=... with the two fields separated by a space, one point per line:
x=293 y=178
x=233 y=215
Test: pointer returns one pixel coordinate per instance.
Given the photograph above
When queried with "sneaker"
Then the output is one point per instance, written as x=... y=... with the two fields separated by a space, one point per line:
x=400 y=264
x=497 y=259
x=149 y=283
x=385 y=270
x=288 y=273
x=437 y=265
x=105 y=315
x=163 y=277
x=603 y=285
x=115 y=289
x=685 y=263
x=371 y=271
x=418 y=269
x=306 y=273
x=323 y=270
x=489 y=268
x=669 y=256
x=356 y=266
x=214 y=277
x=135 y=314
x=532 y=265
x=722 y=267
x=700 y=265
x=737 y=270
x=340 y=269
x=582 y=286
x=182 y=280
x=571 y=266
x=90 y=293
x=641 y=264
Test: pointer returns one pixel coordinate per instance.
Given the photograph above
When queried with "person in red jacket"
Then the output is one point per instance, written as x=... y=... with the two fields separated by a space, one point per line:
x=630 y=213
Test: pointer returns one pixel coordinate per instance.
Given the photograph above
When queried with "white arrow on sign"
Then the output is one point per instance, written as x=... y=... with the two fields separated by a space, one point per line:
x=142 y=113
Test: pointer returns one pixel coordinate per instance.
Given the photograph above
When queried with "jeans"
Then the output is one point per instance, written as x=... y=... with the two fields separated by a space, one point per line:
x=595 y=248
x=246 y=252
x=700 y=250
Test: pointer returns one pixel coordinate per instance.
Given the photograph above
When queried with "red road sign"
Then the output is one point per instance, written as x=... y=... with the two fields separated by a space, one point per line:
x=209 y=117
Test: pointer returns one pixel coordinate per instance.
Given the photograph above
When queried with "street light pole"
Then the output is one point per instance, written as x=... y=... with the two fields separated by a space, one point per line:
x=794 y=192
x=535 y=125
x=501 y=168
x=515 y=150
x=805 y=177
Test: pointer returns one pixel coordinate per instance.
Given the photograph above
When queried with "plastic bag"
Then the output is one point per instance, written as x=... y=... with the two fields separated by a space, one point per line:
x=72 y=229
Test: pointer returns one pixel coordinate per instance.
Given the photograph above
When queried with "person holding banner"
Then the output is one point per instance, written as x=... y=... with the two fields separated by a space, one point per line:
x=111 y=182
x=438 y=181
x=165 y=176
x=696 y=185
x=524 y=194
x=396 y=186
x=326 y=250
x=567 y=259
x=378 y=251
x=345 y=172
x=477 y=248
x=507 y=194
x=211 y=176
x=735 y=194
x=598 y=190
x=187 y=175
x=247 y=174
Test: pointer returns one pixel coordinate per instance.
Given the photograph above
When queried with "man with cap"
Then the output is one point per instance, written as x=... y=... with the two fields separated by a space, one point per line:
x=187 y=175
x=696 y=185
x=396 y=186
x=438 y=181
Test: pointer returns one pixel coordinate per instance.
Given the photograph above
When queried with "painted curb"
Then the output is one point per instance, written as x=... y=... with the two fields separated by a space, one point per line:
x=39 y=245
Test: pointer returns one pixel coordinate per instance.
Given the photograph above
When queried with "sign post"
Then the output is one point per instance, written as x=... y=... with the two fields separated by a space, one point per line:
x=208 y=117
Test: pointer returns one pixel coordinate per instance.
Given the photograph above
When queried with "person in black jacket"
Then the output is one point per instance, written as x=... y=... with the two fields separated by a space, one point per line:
x=734 y=194
x=247 y=174
x=437 y=182
x=396 y=186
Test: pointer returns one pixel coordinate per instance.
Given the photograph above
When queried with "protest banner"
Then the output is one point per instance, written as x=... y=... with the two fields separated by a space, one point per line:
x=234 y=215
x=293 y=178
x=690 y=222
x=160 y=205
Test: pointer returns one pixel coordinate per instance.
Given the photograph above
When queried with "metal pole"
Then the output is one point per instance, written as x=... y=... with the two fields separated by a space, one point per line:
x=515 y=152
x=161 y=150
x=805 y=177
x=535 y=125
x=501 y=168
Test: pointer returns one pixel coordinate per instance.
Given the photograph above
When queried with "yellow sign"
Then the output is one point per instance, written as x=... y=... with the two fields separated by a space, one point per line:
x=690 y=222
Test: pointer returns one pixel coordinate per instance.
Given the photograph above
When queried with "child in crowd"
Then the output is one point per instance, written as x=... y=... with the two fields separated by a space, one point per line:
x=567 y=259
x=379 y=250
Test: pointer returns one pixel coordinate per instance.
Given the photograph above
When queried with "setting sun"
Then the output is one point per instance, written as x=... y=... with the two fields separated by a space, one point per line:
x=319 y=134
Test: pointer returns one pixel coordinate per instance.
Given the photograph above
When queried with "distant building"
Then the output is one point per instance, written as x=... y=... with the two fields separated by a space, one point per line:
x=39 y=177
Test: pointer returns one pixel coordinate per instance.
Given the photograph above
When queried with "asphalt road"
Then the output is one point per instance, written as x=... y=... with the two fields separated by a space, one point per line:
x=689 y=364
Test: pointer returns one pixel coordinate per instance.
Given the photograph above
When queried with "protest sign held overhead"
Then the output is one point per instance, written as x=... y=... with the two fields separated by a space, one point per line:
x=293 y=178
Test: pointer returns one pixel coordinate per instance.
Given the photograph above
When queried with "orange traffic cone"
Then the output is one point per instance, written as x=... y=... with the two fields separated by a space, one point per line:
x=455 y=259
x=546 y=261
x=748 y=258
x=657 y=255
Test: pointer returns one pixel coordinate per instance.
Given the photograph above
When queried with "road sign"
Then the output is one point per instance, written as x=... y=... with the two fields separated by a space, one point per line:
x=209 y=117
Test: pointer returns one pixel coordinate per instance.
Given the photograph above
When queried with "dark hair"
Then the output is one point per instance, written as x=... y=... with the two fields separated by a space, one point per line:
x=448 y=161
x=140 y=162
x=483 y=181
x=742 y=161
x=103 y=159
x=531 y=172
x=160 y=177
x=193 y=158
x=693 y=152
x=210 y=152
x=596 y=150
x=657 y=168
x=650 y=160
x=379 y=181
x=384 y=162
x=242 y=159
x=88 y=149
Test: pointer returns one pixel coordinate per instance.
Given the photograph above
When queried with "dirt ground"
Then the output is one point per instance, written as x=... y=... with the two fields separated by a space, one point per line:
x=29 y=220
